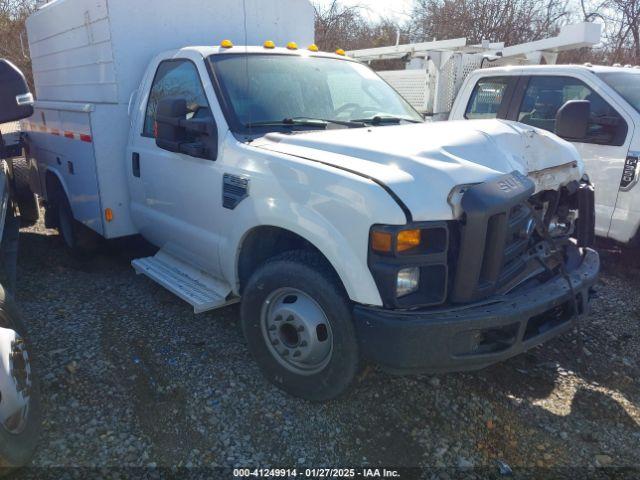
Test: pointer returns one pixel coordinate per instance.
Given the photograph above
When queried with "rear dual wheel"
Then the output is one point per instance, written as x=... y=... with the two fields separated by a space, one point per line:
x=23 y=195
x=298 y=324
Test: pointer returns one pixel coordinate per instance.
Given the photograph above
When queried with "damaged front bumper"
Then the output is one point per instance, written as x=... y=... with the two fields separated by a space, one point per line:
x=478 y=335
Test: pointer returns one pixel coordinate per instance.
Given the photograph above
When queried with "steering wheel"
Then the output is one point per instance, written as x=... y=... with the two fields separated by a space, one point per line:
x=348 y=107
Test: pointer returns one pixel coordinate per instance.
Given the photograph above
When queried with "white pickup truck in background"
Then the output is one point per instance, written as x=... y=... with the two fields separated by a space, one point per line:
x=533 y=95
x=449 y=80
x=301 y=184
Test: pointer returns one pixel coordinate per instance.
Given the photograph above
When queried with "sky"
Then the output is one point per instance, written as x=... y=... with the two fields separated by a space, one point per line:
x=375 y=9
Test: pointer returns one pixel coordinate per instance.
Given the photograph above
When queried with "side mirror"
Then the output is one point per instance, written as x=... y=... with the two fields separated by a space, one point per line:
x=572 y=120
x=197 y=137
x=16 y=102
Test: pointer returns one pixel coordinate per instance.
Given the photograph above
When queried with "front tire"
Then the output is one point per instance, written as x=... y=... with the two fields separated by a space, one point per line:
x=297 y=320
x=19 y=429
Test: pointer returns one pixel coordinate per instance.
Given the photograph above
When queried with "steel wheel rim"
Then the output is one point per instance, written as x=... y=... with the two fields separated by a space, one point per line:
x=296 y=331
x=16 y=382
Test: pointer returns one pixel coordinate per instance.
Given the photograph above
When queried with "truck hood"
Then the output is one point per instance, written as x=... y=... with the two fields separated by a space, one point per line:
x=423 y=163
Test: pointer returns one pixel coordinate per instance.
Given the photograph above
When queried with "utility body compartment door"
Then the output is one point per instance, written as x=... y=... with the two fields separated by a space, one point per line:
x=176 y=199
x=60 y=140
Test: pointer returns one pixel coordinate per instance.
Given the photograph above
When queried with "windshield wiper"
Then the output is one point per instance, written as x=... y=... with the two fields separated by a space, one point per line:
x=346 y=123
x=304 y=122
x=380 y=120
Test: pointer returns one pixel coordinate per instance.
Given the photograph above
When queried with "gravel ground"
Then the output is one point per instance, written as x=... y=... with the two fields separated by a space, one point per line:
x=131 y=377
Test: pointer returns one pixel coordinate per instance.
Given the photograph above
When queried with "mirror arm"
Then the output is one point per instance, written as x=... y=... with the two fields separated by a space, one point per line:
x=174 y=122
x=197 y=126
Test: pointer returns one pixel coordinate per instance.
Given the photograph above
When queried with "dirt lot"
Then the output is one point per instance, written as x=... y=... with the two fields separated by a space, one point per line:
x=132 y=378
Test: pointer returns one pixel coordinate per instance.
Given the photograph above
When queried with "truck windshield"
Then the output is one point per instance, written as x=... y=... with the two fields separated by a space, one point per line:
x=271 y=92
x=627 y=84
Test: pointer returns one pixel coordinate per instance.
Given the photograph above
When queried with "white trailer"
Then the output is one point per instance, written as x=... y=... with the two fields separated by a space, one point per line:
x=436 y=70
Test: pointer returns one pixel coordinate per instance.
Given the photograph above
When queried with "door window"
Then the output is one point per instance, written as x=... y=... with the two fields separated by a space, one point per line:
x=176 y=78
x=487 y=98
x=545 y=95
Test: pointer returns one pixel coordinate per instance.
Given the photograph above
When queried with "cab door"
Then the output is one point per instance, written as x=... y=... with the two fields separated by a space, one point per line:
x=175 y=197
x=605 y=148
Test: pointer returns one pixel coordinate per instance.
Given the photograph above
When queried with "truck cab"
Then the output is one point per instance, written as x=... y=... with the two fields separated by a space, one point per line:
x=300 y=184
x=533 y=95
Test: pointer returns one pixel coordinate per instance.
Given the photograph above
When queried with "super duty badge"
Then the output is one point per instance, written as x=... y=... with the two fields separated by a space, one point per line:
x=511 y=183
x=630 y=172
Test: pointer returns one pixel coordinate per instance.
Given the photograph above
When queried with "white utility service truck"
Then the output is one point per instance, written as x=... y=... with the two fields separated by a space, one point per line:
x=449 y=80
x=302 y=184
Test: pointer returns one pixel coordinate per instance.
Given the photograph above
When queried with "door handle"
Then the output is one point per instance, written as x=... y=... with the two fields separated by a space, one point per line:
x=135 y=164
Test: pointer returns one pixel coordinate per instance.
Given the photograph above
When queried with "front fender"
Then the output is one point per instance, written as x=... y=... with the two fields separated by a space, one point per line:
x=330 y=208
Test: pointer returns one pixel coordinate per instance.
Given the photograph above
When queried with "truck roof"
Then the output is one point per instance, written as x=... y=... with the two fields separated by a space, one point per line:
x=561 y=68
x=207 y=51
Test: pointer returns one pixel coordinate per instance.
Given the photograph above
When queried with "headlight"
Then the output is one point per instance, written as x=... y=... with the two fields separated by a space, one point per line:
x=409 y=263
x=408 y=281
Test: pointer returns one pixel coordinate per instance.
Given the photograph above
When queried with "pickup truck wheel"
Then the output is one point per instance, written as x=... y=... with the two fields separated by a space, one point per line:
x=78 y=238
x=19 y=390
x=298 y=324
x=24 y=196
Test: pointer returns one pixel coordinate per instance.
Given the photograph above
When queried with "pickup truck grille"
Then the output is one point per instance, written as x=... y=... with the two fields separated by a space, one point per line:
x=495 y=234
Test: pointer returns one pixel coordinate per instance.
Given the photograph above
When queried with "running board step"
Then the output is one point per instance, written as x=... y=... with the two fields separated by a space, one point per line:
x=193 y=286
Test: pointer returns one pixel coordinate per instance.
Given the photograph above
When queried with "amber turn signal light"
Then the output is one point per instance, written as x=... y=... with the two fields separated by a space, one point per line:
x=381 y=242
x=409 y=239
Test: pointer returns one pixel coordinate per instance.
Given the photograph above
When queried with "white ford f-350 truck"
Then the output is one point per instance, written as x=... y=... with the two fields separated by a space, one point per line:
x=303 y=185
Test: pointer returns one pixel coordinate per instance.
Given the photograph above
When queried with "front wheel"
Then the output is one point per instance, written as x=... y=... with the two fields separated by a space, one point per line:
x=19 y=392
x=298 y=324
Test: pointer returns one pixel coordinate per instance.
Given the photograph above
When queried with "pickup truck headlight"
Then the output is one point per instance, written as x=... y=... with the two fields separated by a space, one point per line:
x=410 y=263
x=408 y=281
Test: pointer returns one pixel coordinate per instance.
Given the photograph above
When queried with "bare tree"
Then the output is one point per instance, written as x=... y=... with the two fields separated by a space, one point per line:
x=621 y=39
x=625 y=38
x=511 y=21
x=13 y=40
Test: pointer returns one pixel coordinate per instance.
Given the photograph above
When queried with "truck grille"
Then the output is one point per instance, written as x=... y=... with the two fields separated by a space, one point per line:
x=495 y=234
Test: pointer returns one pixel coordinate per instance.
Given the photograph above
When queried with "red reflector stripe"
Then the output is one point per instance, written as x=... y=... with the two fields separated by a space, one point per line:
x=83 y=137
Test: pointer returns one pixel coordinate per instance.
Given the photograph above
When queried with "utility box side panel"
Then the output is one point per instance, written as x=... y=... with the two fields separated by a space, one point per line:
x=144 y=28
x=71 y=52
x=61 y=141
x=96 y=51
x=411 y=84
x=110 y=125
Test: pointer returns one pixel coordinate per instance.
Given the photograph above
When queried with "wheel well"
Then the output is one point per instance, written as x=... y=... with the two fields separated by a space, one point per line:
x=263 y=243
